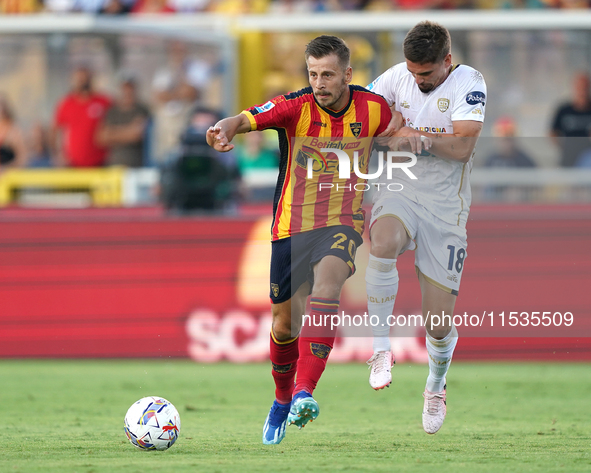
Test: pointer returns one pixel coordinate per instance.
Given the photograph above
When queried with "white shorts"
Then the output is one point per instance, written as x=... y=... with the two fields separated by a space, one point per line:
x=440 y=247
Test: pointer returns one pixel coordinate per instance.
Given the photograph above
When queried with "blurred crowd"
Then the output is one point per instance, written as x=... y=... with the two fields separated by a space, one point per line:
x=93 y=129
x=165 y=127
x=116 y=7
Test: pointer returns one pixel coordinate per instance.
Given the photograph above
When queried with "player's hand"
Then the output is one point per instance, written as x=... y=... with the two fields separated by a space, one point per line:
x=217 y=139
x=409 y=139
x=396 y=123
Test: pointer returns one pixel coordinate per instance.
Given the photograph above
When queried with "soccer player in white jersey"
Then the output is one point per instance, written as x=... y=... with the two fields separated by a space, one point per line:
x=442 y=112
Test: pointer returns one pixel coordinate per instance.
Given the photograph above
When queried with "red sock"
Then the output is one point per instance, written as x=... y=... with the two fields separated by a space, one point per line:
x=284 y=357
x=316 y=342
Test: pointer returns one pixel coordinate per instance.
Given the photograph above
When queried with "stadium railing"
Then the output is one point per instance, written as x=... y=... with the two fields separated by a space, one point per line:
x=103 y=187
x=121 y=187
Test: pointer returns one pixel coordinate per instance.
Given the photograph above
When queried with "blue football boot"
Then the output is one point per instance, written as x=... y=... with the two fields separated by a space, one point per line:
x=274 y=428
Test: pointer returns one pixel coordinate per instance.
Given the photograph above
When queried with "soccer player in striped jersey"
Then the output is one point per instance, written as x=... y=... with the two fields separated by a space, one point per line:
x=441 y=104
x=318 y=218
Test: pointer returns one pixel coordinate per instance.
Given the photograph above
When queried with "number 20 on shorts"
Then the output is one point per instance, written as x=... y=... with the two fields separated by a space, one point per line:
x=341 y=238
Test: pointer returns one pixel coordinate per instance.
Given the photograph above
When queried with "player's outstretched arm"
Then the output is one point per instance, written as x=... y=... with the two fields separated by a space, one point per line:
x=220 y=135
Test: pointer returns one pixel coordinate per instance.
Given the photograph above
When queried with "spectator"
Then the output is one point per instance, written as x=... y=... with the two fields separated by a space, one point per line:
x=188 y=6
x=20 y=6
x=117 y=7
x=254 y=155
x=233 y=7
x=572 y=122
x=508 y=154
x=198 y=177
x=193 y=138
x=176 y=88
x=123 y=130
x=77 y=119
x=39 y=150
x=152 y=6
x=13 y=152
x=88 y=6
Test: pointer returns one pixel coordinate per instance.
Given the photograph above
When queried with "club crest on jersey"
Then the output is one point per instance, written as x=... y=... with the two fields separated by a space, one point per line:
x=275 y=289
x=405 y=104
x=443 y=105
x=320 y=350
x=475 y=97
x=355 y=128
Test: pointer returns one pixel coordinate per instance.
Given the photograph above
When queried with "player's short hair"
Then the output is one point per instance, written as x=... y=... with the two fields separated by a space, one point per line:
x=427 y=42
x=325 y=45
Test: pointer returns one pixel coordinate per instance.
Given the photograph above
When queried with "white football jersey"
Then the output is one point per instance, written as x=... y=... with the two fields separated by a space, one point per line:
x=442 y=186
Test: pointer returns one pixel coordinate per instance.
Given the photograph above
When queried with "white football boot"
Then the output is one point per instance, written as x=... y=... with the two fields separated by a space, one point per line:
x=380 y=365
x=434 y=410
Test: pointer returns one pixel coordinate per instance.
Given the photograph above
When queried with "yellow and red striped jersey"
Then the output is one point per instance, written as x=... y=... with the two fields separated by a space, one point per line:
x=302 y=202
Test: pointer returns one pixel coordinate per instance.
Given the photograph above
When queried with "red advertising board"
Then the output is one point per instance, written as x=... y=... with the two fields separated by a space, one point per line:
x=141 y=284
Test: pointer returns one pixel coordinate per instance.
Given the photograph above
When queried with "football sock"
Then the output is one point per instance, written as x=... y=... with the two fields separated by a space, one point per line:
x=440 y=353
x=381 y=282
x=284 y=357
x=316 y=342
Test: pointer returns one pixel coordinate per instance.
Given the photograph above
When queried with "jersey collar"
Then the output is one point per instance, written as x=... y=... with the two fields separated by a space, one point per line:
x=343 y=110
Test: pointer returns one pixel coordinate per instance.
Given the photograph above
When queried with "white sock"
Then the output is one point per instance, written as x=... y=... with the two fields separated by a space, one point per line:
x=381 y=282
x=440 y=353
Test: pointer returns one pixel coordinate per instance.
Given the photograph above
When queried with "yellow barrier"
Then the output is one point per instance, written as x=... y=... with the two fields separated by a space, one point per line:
x=105 y=185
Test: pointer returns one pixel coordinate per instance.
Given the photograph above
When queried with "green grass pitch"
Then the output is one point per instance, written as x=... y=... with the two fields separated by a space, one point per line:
x=67 y=416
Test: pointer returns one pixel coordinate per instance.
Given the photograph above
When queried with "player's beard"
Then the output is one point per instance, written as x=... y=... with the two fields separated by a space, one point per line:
x=426 y=89
x=334 y=100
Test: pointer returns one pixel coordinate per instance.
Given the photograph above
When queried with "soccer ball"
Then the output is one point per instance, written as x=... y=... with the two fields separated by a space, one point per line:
x=152 y=423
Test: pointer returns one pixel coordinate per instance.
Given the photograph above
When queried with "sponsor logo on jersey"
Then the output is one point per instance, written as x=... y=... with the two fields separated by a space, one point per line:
x=306 y=153
x=431 y=129
x=356 y=128
x=475 y=97
x=405 y=104
x=378 y=210
x=320 y=350
x=265 y=108
x=477 y=111
x=453 y=277
x=275 y=289
x=321 y=124
x=334 y=144
x=443 y=105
